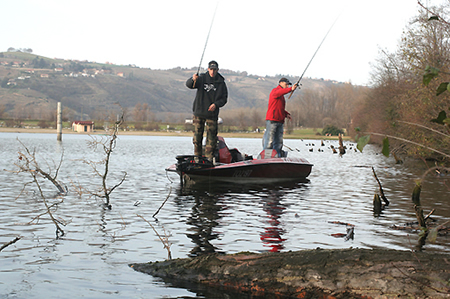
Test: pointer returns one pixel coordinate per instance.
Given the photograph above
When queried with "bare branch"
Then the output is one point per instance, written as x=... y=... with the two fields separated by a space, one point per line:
x=170 y=191
x=28 y=163
x=409 y=141
x=164 y=241
x=10 y=243
x=386 y=201
x=433 y=13
x=108 y=145
x=59 y=230
x=425 y=127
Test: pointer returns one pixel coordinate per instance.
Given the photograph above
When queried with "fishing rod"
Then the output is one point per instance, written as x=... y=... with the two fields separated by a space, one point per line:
x=206 y=43
x=299 y=79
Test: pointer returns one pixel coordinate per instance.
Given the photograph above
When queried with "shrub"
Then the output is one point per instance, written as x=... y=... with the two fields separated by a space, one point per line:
x=43 y=124
x=332 y=130
x=152 y=127
x=138 y=126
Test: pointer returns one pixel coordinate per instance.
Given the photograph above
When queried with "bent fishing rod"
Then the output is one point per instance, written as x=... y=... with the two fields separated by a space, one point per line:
x=206 y=43
x=301 y=77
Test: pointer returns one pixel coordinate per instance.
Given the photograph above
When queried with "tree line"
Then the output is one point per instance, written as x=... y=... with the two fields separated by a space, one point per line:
x=399 y=103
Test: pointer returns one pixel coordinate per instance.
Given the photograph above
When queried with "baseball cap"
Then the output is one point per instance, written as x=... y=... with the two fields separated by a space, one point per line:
x=285 y=80
x=213 y=64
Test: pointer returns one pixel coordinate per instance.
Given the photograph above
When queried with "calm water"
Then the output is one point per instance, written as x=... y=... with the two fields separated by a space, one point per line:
x=91 y=259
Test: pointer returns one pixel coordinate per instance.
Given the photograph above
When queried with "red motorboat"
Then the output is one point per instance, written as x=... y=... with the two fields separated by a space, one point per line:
x=236 y=168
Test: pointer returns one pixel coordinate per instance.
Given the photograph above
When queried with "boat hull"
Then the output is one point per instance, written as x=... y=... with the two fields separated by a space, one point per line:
x=256 y=170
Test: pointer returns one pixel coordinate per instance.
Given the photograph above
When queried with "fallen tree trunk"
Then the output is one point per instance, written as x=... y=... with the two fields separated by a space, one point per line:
x=320 y=273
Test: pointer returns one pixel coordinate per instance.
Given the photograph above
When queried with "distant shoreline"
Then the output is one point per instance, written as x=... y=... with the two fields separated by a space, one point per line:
x=137 y=133
x=69 y=131
x=163 y=133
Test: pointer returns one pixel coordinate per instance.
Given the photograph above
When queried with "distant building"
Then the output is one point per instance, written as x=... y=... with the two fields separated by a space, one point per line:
x=83 y=126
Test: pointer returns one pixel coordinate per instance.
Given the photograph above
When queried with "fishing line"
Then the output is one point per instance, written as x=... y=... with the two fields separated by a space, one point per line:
x=207 y=38
x=298 y=81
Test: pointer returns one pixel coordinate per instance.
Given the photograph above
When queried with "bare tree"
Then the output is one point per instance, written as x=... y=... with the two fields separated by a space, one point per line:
x=141 y=112
x=107 y=145
x=404 y=88
x=2 y=110
x=27 y=163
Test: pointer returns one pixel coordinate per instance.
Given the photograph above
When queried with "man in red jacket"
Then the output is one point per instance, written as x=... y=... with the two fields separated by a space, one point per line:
x=276 y=113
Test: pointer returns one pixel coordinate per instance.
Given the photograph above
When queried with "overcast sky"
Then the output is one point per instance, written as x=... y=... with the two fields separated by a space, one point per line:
x=260 y=37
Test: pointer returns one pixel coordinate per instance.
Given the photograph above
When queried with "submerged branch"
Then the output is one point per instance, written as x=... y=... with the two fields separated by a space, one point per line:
x=59 y=230
x=156 y=213
x=108 y=145
x=436 y=169
x=28 y=163
x=164 y=241
x=10 y=243
x=386 y=201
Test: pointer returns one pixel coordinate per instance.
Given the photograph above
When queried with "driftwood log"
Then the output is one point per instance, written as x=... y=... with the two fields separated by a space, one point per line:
x=319 y=273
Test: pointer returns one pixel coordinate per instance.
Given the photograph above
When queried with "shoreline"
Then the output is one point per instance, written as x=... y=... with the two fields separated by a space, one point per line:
x=167 y=133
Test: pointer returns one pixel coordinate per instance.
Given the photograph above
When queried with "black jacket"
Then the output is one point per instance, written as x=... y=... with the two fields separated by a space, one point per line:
x=209 y=91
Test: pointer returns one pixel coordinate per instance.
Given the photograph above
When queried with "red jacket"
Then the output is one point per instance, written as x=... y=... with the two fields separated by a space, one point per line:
x=277 y=103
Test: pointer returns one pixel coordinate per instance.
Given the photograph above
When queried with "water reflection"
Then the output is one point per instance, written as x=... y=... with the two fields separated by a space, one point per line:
x=274 y=205
x=272 y=235
x=209 y=206
x=202 y=220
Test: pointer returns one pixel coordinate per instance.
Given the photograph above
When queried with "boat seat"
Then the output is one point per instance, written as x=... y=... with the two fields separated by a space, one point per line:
x=227 y=155
x=224 y=153
x=271 y=153
x=268 y=154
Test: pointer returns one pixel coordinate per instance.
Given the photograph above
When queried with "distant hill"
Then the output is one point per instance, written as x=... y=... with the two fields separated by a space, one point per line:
x=31 y=85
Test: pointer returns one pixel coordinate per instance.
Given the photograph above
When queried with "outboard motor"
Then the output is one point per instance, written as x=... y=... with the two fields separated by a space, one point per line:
x=186 y=163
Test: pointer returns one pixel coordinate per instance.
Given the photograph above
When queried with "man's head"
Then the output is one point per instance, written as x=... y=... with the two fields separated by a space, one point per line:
x=284 y=82
x=213 y=68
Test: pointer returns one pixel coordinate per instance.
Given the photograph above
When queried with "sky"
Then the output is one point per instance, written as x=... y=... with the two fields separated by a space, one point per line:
x=259 y=37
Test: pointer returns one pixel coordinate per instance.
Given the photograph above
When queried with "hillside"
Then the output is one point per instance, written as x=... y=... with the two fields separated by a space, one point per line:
x=31 y=86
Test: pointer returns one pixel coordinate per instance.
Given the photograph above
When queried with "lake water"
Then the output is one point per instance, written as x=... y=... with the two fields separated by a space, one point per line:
x=91 y=259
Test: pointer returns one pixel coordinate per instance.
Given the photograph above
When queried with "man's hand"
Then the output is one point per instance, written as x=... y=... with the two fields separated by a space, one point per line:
x=294 y=87
x=212 y=107
x=195 y=77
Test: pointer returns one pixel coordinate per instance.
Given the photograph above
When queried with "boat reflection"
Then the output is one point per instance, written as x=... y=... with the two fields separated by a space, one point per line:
x=272 y=235
x=208 y=206
x=202 y=221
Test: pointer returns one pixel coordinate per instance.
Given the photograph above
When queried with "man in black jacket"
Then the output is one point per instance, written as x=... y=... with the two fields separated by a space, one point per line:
x=212 y=93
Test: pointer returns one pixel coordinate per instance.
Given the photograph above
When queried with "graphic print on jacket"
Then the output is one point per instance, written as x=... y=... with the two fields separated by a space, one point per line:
x=209 y=87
